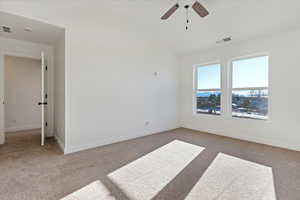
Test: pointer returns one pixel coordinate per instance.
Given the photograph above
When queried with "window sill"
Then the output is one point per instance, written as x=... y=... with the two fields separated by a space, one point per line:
x=206 y=115
x=225 y=117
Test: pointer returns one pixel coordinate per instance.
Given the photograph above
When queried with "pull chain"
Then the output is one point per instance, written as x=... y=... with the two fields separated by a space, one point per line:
x=187 y=17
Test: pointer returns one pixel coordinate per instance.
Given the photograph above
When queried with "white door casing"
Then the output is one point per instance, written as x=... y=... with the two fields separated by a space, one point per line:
x=2 y=100
x=44 y=95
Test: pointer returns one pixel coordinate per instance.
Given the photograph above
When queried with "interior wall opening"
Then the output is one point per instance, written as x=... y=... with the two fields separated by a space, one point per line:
x=32 y=64
x=22 y=85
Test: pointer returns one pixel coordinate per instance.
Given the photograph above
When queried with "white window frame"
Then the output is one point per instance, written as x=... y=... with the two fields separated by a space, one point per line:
x=248 y=88
x=195 y=88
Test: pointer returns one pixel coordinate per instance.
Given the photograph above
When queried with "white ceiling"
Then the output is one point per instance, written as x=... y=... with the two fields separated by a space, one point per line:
x=41 y=32
x=241 y=19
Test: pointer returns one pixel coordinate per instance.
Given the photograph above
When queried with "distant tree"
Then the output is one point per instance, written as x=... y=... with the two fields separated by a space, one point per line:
x=246 y=104
x=212 y=99
x=219 y=99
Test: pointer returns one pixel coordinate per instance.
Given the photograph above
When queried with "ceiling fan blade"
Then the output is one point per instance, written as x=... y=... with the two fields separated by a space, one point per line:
x=200 y=10
x=170 y=12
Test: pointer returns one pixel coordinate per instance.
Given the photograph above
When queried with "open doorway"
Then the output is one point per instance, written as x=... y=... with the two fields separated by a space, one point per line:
x=24 y=90
x=32 y=80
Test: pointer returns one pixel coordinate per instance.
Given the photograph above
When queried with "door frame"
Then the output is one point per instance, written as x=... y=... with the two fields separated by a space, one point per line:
x=43 y=98
x=4 y=53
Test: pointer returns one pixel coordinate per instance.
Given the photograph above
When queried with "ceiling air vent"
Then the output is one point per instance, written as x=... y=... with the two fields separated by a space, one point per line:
x=227 y=39
x=6 y=29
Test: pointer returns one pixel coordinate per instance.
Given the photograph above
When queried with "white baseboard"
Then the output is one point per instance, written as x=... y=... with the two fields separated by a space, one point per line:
x=22 y=128
x=61 y=144
x=260 y=140
x=95 y=144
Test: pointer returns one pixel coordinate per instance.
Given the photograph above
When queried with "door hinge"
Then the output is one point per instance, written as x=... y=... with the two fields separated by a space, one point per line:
x=46 y=67
x=46 y=123
x=46 y=95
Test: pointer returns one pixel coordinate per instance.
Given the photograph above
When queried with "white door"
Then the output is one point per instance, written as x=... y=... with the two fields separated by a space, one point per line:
x=43 y=102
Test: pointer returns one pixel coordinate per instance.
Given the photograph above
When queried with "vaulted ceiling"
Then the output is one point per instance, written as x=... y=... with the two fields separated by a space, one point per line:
x=240 y=19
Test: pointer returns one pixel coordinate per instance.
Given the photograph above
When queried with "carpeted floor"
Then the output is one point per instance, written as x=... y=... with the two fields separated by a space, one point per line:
x=179 y=164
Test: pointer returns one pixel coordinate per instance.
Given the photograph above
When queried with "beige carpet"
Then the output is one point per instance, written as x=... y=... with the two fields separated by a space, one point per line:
x=146 y=176
x=229 y=178
x=93 y=191
x=179 y=164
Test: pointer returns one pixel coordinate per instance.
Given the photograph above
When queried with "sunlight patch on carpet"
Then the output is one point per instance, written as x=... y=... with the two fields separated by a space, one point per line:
x=229 y=178
x=143 y=178
x=93 y=191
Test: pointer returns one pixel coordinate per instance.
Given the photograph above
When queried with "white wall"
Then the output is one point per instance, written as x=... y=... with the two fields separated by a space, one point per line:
x=111 y=90
x=282 y=128
x=22 y=93
x=30 y=50
x=59 y=90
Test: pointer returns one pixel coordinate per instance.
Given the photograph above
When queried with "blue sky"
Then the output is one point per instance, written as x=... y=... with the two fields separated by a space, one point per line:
x=209 y=77
x=251 y=72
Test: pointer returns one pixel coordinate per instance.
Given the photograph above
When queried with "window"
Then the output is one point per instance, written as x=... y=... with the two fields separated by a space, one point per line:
x=208 y=89
x=250 y=88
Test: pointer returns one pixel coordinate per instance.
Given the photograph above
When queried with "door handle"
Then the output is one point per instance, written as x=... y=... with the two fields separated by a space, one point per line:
x=43 y=103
